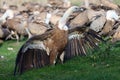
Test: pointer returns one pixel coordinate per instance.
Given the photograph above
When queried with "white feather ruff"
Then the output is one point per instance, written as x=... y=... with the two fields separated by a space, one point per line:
x=112 y=15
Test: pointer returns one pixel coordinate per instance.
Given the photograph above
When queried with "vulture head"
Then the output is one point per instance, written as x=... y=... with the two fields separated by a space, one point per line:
x=111 y=18
x=112 y=15
x=63 y=20
x=9 y=14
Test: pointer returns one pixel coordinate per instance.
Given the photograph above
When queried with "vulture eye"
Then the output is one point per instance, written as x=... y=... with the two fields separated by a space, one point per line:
x=77 y=9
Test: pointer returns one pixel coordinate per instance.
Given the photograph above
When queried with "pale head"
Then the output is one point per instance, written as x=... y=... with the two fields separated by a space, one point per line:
x=9 y=14
x=63 y=20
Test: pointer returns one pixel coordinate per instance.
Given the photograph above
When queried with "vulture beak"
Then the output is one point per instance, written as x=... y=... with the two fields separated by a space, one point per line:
x=119 y=17
x=79 y=9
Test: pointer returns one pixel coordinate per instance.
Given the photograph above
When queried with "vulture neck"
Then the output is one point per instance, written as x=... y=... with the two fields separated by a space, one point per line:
x=48 y=16
x=86 y=3
x=63 y=20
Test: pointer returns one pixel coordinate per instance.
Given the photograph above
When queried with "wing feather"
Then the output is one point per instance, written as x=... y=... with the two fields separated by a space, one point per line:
x=81 y=40
x=32 y=54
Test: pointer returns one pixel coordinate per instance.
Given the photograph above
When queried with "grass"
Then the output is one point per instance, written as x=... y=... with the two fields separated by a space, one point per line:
x=117 y=1
x=102 y=64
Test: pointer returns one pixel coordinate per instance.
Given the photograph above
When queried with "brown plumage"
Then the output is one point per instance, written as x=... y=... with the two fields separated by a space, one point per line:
x=116 y=35
x=16 y=25
x=106 y=3
x=54 y=19
x=98 y=23
x=4 y=33
x=107 y=27
x=37 y=28
x=80 y=19
x=48 y=45
x=82 y=36
x=41 y=50
x=60 y=3
x=81 y=40
x=110 y=4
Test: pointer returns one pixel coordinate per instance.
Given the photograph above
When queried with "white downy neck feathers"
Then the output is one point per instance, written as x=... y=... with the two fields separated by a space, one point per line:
x=63 y=20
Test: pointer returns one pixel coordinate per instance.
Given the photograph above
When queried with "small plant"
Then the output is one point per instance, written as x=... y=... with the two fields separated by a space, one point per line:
x=101 y=53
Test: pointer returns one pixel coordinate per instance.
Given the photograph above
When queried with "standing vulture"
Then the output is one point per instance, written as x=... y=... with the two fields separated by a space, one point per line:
x=41 y=50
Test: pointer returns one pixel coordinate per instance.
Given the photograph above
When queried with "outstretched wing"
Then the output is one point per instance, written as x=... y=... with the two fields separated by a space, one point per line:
x=33 y=54
x=81 y=40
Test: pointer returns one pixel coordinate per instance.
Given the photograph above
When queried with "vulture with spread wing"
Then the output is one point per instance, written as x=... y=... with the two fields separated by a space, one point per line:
x=45 y=49
x=60 y=43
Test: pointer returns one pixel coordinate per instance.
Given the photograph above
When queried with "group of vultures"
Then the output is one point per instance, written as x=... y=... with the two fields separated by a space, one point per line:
x=57 y=30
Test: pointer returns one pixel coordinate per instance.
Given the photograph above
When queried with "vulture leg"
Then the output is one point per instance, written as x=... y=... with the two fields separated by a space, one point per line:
x=62 y=57
x=28 y=32
x=17 y=37
x=53 y=56
x=10 y=36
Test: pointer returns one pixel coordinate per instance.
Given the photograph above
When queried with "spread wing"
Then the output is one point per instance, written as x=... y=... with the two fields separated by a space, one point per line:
x=81 y=40
x=33 y=54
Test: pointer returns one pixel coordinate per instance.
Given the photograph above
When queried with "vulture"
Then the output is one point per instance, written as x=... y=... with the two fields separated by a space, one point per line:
x=38 y=24
x=37 y=28
x=9 y=14
x=17 y=26
x=111 y=19
x=106 y=3
x=4 y=33
x=44 y=49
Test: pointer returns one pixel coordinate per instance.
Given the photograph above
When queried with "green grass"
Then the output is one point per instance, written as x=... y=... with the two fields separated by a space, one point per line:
x=117 y=1
x=102 y=64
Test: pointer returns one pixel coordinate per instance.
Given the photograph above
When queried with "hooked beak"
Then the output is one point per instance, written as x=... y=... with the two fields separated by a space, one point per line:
x=81 y=9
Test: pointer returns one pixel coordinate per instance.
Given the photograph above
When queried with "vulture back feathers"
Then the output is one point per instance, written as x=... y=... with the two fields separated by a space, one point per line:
x=42 y=50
